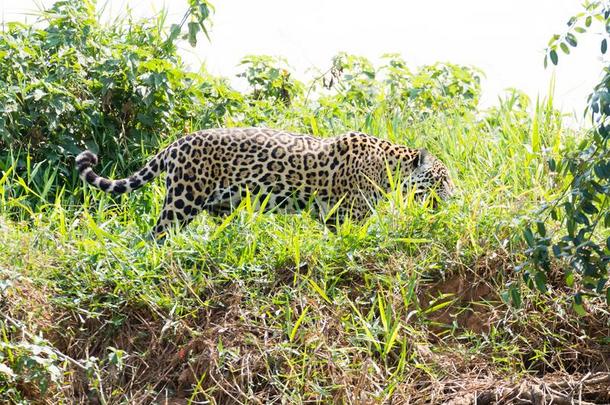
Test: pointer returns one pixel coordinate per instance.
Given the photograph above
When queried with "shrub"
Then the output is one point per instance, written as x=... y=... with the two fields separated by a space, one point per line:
x=69 y=82
x=582 y=242
x=437 y=89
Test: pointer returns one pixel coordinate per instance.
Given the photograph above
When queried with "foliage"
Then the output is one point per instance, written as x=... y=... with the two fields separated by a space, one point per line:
x=269 y=80
x=353 y=78
x=32 y=366
x=68 y=82
x=271 y=308
x=198 y=13
x=434 y=88
x=273 y=94
x=393 y=87
x=276 y=308
x=354 y=89
x=582 y=243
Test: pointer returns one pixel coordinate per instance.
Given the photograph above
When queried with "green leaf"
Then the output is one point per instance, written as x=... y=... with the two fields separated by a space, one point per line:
x=604 y=46
x=382 y=313
x=529 y=237
x=556 y=250
x=541 y=229
x=540 y=280
x=582 y=219
x=392 y=339
x=600 y=170
x=571 y=39
x=192 y=35
x=204 y=12
x=580 y=30
x=564 y=48
x=437 y=307
x=554 y=57
x=577 y=305
x=600 y=285
x=570 y=279
x=588 y=21
x=608 y=296
x=579 y=309
x=589 y=208
x=319 y=290
x=571 y=225
x=174 y=32
x=515 y=296
x=414 y=241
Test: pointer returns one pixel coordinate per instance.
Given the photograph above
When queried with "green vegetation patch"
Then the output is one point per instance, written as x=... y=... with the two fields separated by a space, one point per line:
x=411 y=305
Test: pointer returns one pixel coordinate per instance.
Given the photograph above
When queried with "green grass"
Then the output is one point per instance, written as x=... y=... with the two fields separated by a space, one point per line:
x=256 y=308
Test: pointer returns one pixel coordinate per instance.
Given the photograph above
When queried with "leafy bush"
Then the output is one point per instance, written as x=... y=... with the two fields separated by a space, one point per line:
x=432 y=89
x=69 y=82
x=273 y=96
x=582 y=242
x=352 y=90
x=269 y=80
x=33 y=367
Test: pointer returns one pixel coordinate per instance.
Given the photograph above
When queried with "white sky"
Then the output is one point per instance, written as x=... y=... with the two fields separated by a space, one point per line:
x=506 y=39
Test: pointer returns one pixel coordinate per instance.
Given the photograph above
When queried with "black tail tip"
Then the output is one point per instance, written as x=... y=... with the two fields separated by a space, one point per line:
x=86 y=159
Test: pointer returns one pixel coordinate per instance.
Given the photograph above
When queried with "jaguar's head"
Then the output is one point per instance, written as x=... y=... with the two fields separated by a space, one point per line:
x=431 y=174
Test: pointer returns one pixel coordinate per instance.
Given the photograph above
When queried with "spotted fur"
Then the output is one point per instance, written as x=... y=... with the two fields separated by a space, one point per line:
x=213 y=170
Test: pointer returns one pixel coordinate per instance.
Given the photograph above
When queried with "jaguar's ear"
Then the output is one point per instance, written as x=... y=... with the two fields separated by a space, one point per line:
x=421 y=158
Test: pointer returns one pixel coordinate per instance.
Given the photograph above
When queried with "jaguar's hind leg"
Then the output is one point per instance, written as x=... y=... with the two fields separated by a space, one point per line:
x=173 y=216
x=181 y=206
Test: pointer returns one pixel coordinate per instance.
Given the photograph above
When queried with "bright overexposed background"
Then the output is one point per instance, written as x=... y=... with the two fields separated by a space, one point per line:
x=506 y=39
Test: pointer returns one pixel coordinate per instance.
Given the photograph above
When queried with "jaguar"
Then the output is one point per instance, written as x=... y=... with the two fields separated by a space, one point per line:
x=214 y=169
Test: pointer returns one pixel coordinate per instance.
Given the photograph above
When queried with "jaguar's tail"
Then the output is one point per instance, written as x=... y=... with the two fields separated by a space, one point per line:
x=87 y=159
